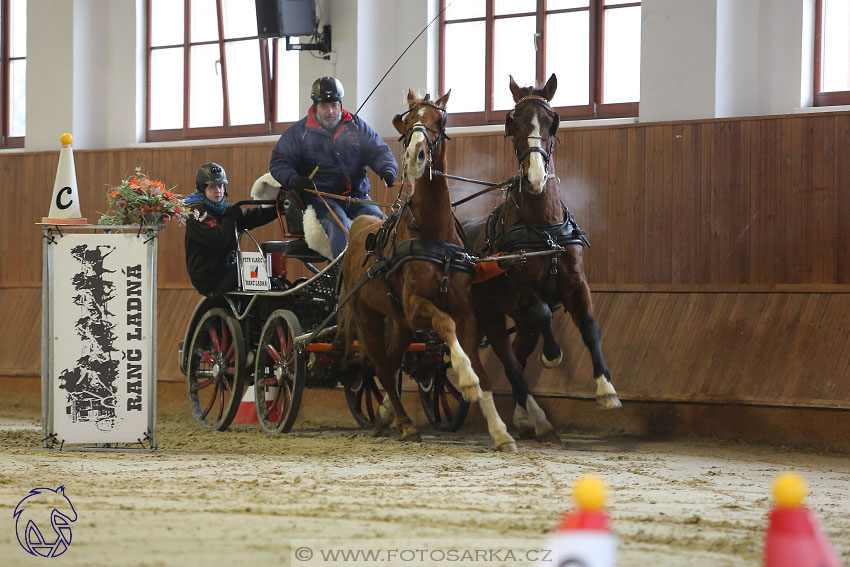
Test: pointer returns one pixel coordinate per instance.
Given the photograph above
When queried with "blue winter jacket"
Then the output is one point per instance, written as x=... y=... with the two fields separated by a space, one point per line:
x=342 y=156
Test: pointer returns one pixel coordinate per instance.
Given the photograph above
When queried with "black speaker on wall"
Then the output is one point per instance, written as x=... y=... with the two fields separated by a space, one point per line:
x=280 y=18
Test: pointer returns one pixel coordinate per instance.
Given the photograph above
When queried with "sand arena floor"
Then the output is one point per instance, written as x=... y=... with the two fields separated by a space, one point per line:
x=242 y=497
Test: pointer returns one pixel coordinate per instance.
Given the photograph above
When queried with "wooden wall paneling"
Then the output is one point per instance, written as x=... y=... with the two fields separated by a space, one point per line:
x=842 y=183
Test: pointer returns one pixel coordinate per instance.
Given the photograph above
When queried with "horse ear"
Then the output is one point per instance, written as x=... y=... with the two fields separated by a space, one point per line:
x=441 y=102
x=411 y=98
x=551 y=87
x=399 y=124
x=516 y=90
x=509 y=124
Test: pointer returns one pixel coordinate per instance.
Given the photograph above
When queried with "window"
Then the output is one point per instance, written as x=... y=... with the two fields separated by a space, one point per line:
x=832 y=52
x=593 y=46
x=210 y=75
x=13 y=72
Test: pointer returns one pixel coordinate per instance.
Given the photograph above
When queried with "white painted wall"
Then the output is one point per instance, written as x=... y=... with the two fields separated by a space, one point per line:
x=785 y=55
x=736 y=86
x=678 y=47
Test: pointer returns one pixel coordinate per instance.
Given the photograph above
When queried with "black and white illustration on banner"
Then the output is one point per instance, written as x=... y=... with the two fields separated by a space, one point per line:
x=102 y=311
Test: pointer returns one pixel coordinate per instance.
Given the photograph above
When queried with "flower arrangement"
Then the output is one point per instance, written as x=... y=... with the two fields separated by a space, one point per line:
x=139 y=200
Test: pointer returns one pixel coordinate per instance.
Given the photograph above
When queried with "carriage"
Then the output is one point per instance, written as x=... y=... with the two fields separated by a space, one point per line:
x=284 y=340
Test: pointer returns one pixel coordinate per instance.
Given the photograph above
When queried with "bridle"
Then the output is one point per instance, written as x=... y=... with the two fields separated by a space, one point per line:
x=439 y=135
x=547 y=154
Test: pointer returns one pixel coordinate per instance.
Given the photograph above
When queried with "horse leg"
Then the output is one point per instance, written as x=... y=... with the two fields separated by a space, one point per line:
x=417 y=308
x=387 y=361
x=469 y=337
x=528 y=417
x=577 y=301
x=541 y=316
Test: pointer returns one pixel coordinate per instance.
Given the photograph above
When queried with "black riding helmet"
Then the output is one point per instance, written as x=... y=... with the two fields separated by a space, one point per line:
x=210 y=174
x=327 y=89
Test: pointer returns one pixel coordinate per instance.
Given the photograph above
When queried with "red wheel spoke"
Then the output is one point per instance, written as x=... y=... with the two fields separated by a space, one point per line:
x=221 y=402
x=273 y=353
x=204 y=384
x=210 y=405
x=214 y=339
x=435 y=402
x=229 y=355
x=226 y=343
x=450 y=388
x=204 y=356
x=366 y=391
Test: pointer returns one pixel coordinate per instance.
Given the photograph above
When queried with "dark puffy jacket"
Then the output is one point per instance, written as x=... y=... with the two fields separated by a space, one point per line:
x=211 y=240
x=342 y=156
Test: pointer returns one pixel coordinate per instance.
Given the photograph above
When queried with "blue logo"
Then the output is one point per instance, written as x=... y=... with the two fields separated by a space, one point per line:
x=38 y=508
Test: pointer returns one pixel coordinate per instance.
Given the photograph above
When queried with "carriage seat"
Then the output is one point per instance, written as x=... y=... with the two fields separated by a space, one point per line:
x=296 y=248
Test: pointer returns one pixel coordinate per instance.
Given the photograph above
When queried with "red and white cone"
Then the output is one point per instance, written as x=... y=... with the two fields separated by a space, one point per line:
x=65 y=203
x=794 y=536
x=247 y=412
x=584 y=538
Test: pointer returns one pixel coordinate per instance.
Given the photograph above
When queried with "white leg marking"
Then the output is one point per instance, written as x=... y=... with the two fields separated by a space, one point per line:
x=466 y=376
x=541 y=424
x=385 y=412
x=495 y=425
x=604 y=387
x=521 y=419
x=536 y=168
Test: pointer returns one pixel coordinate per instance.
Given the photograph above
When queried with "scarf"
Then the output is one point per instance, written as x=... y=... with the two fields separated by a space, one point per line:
x=217 y=208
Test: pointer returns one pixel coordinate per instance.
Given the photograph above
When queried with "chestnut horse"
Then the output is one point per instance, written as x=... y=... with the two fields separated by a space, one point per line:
x=417 y=276
x=533 y=218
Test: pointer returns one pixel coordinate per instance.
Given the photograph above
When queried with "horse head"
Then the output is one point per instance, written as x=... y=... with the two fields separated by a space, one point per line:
x=533 y=124
x=423 y=129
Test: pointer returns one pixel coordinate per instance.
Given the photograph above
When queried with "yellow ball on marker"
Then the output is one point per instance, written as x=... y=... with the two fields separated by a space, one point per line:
x=590 y=493
x=66 y=139
x=789 y=490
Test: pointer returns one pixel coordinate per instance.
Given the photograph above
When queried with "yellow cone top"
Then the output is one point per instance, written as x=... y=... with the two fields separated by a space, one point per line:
x=66 y=139
x=590 y=493
x=789 y=490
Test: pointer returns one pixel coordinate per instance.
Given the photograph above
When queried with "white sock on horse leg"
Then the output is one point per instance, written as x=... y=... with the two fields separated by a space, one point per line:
x=495 y=425
x=541 y=424
x=604 y=387
x=466 y=377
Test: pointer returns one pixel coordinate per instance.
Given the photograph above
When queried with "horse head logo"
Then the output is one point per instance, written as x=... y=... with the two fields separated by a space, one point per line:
x=34 y=510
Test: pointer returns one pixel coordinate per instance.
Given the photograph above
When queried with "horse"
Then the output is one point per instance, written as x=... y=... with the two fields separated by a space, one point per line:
x=412 y=273
x=533 y=218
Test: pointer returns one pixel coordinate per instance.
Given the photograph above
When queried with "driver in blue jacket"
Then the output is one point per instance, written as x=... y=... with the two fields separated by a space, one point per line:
x=341 y=145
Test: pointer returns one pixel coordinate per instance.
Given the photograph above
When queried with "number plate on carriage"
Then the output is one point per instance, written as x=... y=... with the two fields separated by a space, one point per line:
x=255 y=275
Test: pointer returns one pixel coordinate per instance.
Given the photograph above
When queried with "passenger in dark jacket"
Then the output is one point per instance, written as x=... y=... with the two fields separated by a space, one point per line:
x=341 y=145
x=211 y=231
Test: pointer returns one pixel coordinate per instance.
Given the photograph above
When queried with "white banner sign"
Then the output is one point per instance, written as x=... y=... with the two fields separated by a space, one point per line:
x=101 y=354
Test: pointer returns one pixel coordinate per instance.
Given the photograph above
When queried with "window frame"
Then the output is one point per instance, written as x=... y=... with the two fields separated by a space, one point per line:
x=823 y=98
x=7 y=141
x=269 y=78
x=594 y=108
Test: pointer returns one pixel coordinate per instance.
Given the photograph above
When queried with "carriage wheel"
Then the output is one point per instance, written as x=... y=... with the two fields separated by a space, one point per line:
x=279 y=373
x=444 y=405
x=364 y=396
x=216 y=370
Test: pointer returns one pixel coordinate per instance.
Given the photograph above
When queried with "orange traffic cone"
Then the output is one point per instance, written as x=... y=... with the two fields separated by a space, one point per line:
x=794 y=537
x=65 y=203
x=247 y=412
x=584 y=538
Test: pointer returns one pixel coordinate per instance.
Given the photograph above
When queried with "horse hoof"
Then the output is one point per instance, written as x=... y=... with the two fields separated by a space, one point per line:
x=472 y=393
x=608 y=401
x=549 y=437
x=551 y=363
x=378 y=430
x=526 y=433
x=507 y=447
x=410 y=434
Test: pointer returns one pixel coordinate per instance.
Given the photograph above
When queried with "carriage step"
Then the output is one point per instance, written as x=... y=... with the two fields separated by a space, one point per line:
x=328 y=347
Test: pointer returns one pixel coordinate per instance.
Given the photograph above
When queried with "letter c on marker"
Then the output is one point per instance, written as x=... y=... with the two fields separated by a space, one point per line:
x=59 y=198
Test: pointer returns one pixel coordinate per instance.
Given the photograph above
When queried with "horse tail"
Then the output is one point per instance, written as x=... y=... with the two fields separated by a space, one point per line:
x=346 y=330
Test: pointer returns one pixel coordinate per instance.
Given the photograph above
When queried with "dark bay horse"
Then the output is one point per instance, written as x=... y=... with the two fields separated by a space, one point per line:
x=417 y=276
x=533 y=218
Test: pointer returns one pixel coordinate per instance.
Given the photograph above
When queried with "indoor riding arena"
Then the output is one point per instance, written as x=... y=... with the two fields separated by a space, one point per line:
x=715 y=203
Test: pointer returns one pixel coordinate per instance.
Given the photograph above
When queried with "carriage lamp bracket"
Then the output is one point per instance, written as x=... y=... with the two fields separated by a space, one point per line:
x=322 y=44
